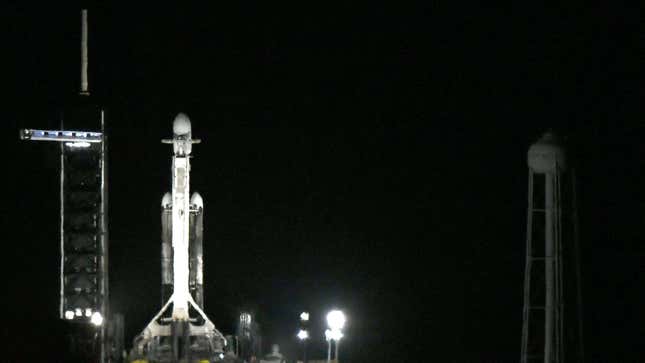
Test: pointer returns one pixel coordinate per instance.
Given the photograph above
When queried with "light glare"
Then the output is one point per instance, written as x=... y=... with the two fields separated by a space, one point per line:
x=81 y=144
x=336 y=320
x=245 y=319
x=336 y=335
x=303 y=334
x=304 y=316
x=69 y=315
x=96 y=319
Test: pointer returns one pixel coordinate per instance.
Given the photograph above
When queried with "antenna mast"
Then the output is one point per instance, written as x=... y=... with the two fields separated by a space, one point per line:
x=84 y=84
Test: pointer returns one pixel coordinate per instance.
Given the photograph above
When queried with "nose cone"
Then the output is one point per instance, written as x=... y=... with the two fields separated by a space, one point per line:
x=197 y=200
x=166 y=200
x=181 y=125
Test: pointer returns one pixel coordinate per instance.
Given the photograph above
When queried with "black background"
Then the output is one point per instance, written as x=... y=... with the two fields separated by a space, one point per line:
x=362 y=157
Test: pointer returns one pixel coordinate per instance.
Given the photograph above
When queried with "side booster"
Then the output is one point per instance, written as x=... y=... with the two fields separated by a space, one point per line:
x=183 y=332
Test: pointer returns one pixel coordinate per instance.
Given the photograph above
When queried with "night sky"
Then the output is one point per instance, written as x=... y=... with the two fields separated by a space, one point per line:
x=360 y=157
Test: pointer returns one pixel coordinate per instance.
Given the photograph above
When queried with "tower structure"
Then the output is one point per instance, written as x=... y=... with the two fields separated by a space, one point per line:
x=84 y=290
x=552 y=271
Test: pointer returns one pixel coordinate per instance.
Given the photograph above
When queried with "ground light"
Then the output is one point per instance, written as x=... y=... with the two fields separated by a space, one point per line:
x=303 y=334
x=336 y=321
x=96 y=319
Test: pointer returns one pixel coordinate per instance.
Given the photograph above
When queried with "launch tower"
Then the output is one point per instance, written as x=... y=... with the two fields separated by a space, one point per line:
x=84 y=292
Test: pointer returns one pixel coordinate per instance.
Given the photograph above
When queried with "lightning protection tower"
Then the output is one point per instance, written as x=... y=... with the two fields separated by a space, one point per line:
x=552 y=300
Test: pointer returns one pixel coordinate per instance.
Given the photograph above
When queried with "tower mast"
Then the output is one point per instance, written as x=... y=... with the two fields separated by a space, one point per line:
x=85 y=91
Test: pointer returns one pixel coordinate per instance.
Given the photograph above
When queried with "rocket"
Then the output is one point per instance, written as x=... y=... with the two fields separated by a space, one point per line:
x=180 y=213
x=173 y=333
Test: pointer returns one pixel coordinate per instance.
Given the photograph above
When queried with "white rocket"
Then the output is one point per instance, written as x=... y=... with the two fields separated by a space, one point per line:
x=182 y=145
x=180 y=325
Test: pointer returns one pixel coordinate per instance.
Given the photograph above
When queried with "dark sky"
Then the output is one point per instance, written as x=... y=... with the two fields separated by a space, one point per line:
x=362 y=157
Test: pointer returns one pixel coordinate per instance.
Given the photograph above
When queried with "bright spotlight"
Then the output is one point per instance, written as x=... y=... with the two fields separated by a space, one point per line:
x=69 y=315
x=304 y=316
x=336 y=320
x=336 y=335
x=303 y=334
x=79 y=144
x=96 y=319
